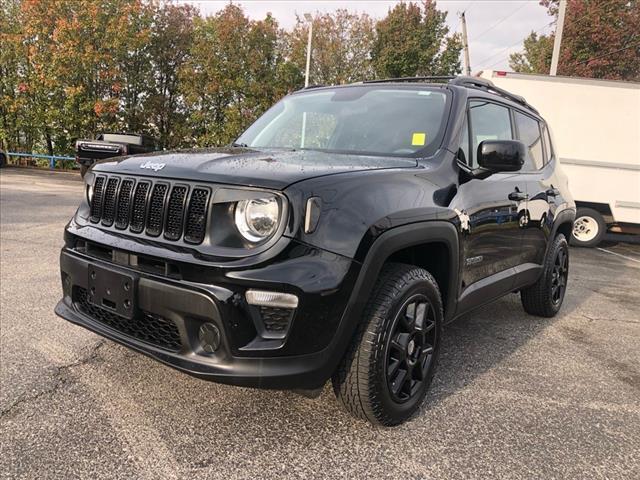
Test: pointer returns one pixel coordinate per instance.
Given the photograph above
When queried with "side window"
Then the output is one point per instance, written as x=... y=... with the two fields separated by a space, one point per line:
x=547 y=144
x=488 y=122
x=529 y=134
x=463 y=151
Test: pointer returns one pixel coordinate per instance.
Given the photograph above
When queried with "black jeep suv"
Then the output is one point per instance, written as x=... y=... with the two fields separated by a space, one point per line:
x=334 y=239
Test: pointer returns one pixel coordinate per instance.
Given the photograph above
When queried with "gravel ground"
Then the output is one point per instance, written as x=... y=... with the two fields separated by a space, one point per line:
x=515 y=397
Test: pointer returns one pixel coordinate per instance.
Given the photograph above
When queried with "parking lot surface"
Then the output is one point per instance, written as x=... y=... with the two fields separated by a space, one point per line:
x=515 y=397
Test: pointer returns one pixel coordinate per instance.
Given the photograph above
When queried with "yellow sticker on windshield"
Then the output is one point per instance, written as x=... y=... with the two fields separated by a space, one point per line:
x=418 y=139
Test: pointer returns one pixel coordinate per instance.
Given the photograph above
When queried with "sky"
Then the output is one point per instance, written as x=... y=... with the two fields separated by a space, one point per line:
x=495 y=28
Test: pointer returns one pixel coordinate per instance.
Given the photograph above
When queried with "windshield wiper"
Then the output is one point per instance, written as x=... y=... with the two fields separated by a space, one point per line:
x=244 y=145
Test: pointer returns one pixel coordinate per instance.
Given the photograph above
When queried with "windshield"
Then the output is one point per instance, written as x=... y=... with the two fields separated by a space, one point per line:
x=389 y=120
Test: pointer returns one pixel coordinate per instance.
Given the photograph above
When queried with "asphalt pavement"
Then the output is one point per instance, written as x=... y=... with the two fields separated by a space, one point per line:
x=516 y=396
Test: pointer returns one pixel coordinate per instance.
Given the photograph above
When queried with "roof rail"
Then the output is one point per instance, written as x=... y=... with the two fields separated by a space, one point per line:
x=434 y=79
x=488 y=85
x=468 y=81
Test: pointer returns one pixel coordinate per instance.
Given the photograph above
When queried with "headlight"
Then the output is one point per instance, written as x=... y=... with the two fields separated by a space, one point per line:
x=257 y=219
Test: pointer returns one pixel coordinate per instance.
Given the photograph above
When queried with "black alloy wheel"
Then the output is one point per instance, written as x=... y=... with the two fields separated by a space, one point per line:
x=410 y=350
x=559 y=276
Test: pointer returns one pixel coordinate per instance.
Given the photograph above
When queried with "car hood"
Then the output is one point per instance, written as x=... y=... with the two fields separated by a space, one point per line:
x=241 y=166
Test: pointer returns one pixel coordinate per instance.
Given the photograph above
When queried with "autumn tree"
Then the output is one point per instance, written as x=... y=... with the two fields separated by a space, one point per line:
x=14 y=116
x=600 y=40
x=413 y=39
x=233 y=74
x=170 y=42
x=341 y=47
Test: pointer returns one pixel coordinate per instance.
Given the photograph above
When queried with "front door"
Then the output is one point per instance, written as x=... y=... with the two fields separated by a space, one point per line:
x=489 y=211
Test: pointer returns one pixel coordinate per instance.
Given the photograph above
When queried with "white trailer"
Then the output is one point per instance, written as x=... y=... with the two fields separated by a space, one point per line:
x=596 y=125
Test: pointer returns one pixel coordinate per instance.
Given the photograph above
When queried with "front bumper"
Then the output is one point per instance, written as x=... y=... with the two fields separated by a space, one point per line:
x=176 y=309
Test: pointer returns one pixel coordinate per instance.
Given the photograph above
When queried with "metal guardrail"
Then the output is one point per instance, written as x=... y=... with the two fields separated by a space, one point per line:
x=52 y=158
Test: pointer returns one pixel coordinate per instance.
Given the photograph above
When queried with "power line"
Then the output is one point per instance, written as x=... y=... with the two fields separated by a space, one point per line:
x=499 y=22
x=514 y=45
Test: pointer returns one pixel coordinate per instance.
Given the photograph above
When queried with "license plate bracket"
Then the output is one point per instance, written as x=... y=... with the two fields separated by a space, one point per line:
x=112 y=290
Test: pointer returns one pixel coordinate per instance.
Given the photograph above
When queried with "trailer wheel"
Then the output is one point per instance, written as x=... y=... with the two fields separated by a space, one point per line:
x=588 y=229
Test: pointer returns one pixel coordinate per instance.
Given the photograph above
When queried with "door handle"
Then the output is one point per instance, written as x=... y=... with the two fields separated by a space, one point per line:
x=552 y=192
x=517 y=196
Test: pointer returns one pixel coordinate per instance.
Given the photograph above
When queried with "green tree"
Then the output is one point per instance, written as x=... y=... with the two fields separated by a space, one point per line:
x=14 y=117
x=341 y=47
x=536 y=57
x=235 y=71
x=169 y=47
x=413 y=39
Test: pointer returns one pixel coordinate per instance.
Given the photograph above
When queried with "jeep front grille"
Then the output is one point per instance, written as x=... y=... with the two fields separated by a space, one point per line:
x=153 y=208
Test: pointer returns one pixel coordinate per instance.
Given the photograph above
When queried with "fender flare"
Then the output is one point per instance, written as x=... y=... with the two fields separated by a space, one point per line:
x=568 y=215
x=391 y=241
x=399 y=238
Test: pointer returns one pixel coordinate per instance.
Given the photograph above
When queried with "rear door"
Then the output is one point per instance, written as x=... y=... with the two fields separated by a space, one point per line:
x=488 y=208
x=543 y=196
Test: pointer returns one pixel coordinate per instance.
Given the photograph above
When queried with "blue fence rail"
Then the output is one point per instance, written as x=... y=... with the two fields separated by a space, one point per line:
x=52 y=158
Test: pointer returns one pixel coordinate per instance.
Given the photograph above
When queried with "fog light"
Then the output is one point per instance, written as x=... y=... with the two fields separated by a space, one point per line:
x=209 y=336
x=271 y=299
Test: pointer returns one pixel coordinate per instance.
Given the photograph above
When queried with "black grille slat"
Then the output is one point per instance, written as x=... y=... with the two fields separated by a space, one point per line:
x=197 y=216
x=147 y=327
x=109 y=202
x=156 y=209
x=96 y=201
x=275 y=319
x=138 y=212
x=175 y=213
x=124 y=204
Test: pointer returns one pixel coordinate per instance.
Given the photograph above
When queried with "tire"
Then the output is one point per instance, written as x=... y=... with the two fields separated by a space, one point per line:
x=588 y=229
x=386 y=371
x=544 y=298
x=83 y=170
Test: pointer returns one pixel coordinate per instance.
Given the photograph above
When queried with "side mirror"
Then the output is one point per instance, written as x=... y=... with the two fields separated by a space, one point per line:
x=501 y=155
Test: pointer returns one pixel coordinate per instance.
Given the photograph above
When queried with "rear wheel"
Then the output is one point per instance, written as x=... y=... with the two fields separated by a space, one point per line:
x=588 y=229
x=544 y=298
x=386 y=372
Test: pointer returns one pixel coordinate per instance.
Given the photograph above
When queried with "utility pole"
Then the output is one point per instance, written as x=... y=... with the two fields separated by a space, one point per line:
x=465 y=45
x=558 y=37
x=306 y=72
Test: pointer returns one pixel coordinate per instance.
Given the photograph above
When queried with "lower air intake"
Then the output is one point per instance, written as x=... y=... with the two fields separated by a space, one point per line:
x=146 y=327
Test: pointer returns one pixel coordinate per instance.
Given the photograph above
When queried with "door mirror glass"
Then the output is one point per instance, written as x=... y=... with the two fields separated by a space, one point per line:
x=501 y=155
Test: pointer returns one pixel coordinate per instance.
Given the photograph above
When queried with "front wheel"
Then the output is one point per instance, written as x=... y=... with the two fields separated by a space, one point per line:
x=588 y=229
x=386 y=372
